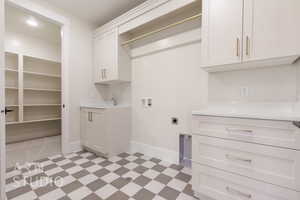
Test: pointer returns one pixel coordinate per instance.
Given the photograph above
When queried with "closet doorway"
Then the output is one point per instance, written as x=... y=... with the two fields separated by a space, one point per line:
x=35 y=85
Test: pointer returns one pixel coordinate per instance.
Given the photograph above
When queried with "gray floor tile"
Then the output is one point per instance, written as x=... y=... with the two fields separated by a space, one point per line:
x=119 y=187
x=94 y=186
x=169 y=193
x=118 y=196
x=17 y=192
x=144 y=194
x=142 y=180
x=71 y=187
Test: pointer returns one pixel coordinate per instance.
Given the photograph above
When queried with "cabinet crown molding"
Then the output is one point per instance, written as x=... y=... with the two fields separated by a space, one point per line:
x=131 y=14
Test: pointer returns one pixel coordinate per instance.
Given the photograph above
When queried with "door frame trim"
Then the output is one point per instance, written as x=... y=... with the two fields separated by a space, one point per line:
x=65 y=44
x=2 y=105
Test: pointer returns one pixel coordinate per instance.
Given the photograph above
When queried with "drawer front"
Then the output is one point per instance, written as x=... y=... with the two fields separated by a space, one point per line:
x=275 y=133
x=270 y=164
x=220 y=185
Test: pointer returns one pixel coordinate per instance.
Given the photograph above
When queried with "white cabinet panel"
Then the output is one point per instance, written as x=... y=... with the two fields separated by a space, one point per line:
x=271 y=29
x=268 y=32
x=112 y=61
x=98 y=60
x=96 y=132
x=220 y=185
x=106 y=131
x=251 y=160
x=93 y=125
x=222 y=32
x=267 y=132
x=106 y=48
x=240 y=158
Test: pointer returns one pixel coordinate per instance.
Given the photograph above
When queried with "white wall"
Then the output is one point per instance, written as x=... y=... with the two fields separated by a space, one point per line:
x=173 y=78
x=81 y=86
x=32 y=46
x=272 y=84
x=177 y=84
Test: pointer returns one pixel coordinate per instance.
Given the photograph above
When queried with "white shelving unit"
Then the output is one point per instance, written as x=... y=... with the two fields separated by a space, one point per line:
x=33 y=92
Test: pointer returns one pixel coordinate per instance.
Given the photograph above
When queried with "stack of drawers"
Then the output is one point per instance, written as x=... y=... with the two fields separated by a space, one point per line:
x=237 y=159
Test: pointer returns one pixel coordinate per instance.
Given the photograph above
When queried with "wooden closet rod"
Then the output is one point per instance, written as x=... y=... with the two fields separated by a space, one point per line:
x=161 y=29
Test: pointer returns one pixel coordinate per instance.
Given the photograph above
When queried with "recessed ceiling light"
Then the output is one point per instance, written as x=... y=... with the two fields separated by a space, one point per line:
x=32 y=22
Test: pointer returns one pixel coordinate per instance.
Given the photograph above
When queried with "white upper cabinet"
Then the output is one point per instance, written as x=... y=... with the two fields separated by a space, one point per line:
x=240 y=34
x=112 y=63
x=222 y=26
x=271 y=29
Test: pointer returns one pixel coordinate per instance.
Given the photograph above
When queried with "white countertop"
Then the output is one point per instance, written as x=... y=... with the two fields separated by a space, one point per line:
x=103 y=106
x=285 y=111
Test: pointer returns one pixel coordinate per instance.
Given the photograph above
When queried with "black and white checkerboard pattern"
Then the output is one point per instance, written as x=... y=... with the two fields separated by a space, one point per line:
x=87 y=176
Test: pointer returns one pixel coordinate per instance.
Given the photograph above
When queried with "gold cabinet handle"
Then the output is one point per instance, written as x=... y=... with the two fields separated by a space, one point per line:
x=238 y=47
x=247 y=46
x=246 y=131
x=89 y=116
x=239 y=193
x=231 y=157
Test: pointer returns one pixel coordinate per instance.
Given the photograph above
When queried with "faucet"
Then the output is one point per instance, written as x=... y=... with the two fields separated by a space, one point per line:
x=114 y=101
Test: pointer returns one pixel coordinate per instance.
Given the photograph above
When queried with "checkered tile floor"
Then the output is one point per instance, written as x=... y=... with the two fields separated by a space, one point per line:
x=84 y=175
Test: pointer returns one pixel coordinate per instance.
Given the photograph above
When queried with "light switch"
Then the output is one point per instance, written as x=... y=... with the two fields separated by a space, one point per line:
x=144 y=103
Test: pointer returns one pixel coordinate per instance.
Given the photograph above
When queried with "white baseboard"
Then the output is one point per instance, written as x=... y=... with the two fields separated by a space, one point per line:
x=153 y=151
x=75 y=146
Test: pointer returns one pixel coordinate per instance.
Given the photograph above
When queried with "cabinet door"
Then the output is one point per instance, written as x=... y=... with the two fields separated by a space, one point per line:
x=84 y=116
x=222 y=23
x=106 y=48
x=99 y=60
x=96 y=137
x=271 y=29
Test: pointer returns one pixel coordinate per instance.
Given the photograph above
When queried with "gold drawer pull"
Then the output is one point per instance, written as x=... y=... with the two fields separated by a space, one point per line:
x=239 y=193
x=247 y=46
x=238 y=47
x=231 y=157
x=239 y=130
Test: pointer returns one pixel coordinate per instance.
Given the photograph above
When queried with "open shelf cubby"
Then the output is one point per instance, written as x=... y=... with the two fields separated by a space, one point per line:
x=33 y=92
x=32 y=113
x=32 y=130
x=41 y=82
x=11 y=79
x=41 y=97
x=12 y=117
x=37 y=66
x=11 y=97
x=11 y=61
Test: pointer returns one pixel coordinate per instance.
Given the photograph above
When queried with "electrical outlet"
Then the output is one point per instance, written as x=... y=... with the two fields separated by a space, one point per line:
x=143 y=101
x=174 y=120
x=149 y=102
x=244 y=91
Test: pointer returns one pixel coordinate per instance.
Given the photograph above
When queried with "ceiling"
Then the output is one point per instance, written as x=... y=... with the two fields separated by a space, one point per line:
x=15 y=21
x=97 y=12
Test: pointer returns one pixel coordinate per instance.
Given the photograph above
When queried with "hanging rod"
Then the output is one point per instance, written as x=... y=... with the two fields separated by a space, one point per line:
x=161 y=29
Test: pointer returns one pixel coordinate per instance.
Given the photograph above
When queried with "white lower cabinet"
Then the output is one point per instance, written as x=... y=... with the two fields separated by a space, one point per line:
x=221 y=185
x=105 y=131
x=94 y=130
x=235 y=158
